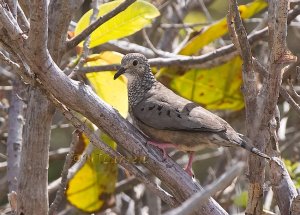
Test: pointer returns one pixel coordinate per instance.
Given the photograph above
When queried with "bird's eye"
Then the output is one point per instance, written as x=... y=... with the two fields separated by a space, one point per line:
x=135 y=62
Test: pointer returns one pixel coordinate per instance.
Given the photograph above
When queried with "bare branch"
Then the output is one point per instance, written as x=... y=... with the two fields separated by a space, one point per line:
x=11 y=25
x=14 y=140
x=155 y=50
x=64 y=174
x=58 y=25
x=38 y=34
x=282 y=185
x=126 y=47
x=34 y=157
x=22 y=19
x=290 y=100
x=101 y=20
x=240 y=36
x=293 y=92
x=12 y=4
x=195 y=202
x=295 y=207
x=6 y=60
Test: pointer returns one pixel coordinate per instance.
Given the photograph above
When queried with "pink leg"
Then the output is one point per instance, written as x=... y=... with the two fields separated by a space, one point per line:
x=188 y=168
x=163 y=146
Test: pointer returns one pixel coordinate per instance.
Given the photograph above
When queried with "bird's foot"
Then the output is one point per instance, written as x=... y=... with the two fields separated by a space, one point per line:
x=163 y=147
x=188 y=168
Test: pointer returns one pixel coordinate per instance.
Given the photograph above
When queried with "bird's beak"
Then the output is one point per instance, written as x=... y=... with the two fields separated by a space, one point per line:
x=121 y=71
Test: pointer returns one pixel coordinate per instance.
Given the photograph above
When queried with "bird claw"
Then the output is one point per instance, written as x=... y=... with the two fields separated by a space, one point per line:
x=189 y=171
x=188 y=168
x=163 y=147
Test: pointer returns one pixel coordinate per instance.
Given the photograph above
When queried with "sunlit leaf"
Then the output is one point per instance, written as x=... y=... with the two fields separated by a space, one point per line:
x=241 y=199
x=112 y=91
x=219 y=28
x=215 y=88
x=129 y=21
x=93 y=186
x=294 y=171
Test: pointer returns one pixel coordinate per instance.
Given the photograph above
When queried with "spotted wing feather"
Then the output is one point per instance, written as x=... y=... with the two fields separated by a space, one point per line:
x=161 y=108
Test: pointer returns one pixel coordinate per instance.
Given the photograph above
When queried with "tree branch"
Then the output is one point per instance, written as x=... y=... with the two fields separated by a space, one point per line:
x=64 y=174
x=58 y=25
x=101 y=20
x=14 y=139
x=34 y=158
x=194 y=203
x=38 y=34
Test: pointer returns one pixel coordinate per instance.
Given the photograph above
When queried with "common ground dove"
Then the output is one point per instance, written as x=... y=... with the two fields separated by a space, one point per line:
x=170 y=120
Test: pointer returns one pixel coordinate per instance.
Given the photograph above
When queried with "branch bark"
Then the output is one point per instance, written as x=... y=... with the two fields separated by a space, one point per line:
x=14 y=139
x=261 y=106
x=80 y=37
x=32 y=189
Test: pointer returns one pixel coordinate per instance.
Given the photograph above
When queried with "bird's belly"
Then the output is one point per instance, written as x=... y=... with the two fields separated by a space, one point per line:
x=186 y=140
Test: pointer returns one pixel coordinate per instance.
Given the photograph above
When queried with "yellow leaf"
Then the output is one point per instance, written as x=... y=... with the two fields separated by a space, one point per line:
x=129 y=21
x=218 y=29
x=215 y=88
x=114 y=92
x=92 y=187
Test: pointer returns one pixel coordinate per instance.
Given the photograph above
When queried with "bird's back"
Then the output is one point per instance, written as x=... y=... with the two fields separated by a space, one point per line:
x=166 y=117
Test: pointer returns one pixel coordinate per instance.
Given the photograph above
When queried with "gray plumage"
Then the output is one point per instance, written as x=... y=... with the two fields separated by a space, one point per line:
x=168 y=118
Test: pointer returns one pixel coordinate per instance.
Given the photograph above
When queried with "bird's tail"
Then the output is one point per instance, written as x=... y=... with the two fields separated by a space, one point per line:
x=245 y=143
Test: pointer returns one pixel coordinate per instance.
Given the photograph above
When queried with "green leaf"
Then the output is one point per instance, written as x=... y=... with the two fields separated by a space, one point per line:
x=241 y=199
x=215 y=88
x=129 y=21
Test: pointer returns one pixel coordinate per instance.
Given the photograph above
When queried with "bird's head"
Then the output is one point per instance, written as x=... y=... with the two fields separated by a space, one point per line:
x=133 y=65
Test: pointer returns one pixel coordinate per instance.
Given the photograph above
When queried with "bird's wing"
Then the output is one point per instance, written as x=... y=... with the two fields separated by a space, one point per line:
x=163 y=109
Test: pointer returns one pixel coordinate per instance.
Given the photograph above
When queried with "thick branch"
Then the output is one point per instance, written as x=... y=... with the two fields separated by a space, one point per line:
x=58 y=25
x=14 y=140
x=38 y=34
x=282 y=185
x=32 y=189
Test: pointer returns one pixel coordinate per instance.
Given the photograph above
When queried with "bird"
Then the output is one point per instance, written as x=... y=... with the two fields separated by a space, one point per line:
x=171 y=121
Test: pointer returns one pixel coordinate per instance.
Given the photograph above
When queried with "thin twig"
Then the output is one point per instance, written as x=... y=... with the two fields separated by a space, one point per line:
x=155 y=50
x=81 y=161
x=126 y=184
x=101 y=20
x=290 y=100
x=293 y=92
x=183 y=25
x=8 y=61
x=64 y=174
x=22 y=19
x=54 y=186
x=192 y=204
x=86 y=44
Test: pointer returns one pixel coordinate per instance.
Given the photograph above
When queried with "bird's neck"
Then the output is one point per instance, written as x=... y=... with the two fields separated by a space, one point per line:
x=138 y=87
